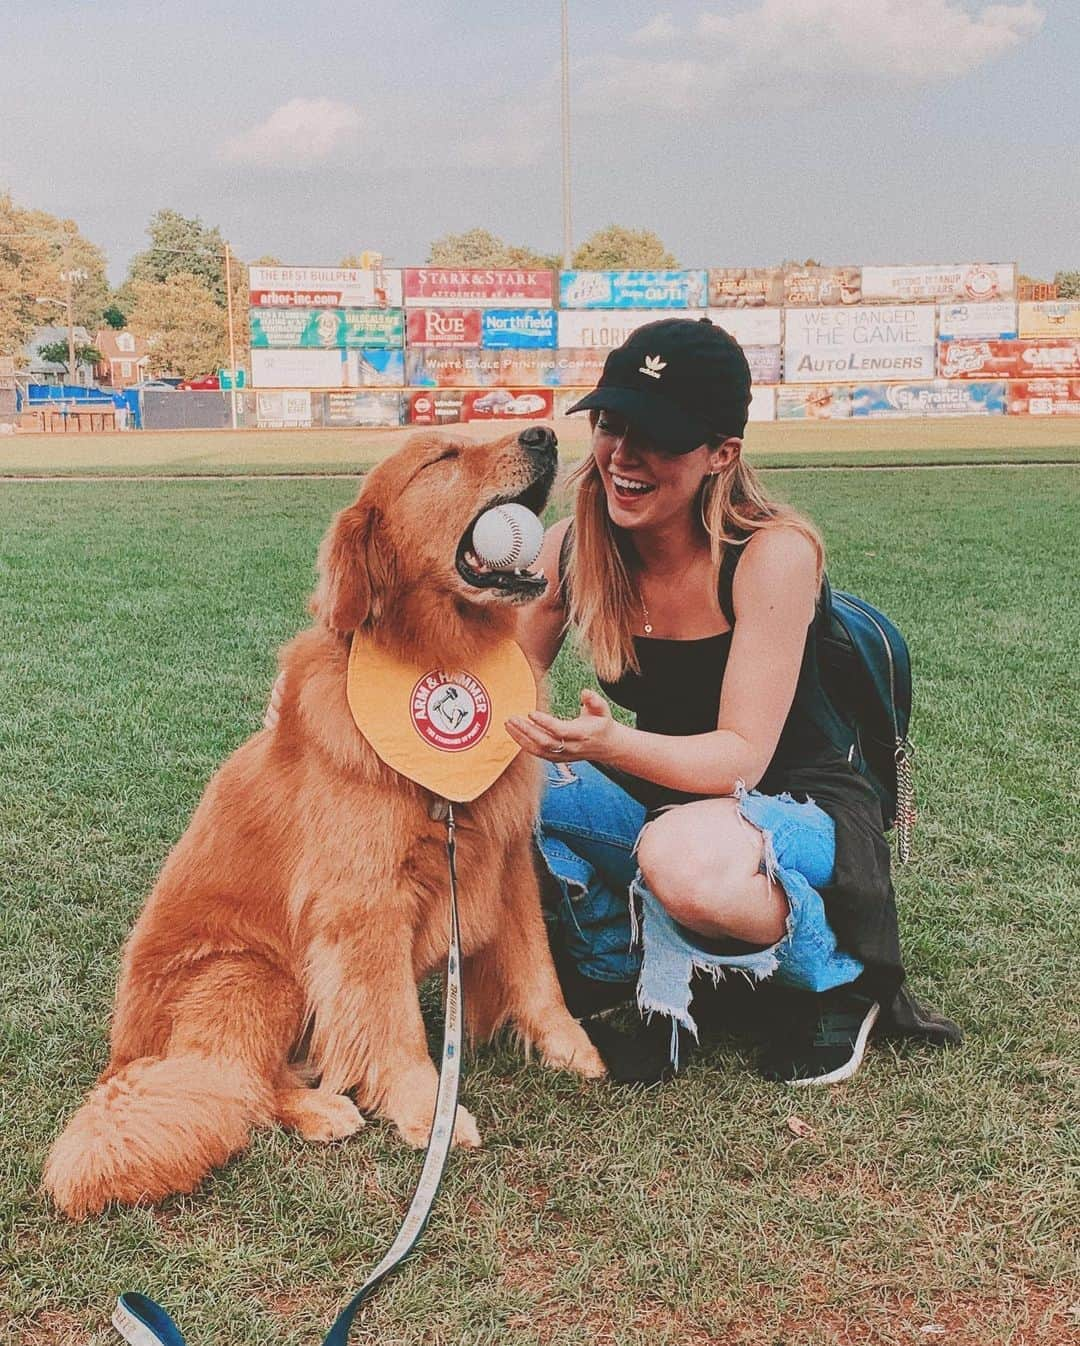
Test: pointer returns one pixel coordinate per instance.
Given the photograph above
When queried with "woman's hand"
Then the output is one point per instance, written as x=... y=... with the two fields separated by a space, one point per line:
x=591 y=737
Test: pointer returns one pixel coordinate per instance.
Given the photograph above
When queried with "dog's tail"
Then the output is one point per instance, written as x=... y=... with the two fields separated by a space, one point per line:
x=157 y=1126
x=178 y=1102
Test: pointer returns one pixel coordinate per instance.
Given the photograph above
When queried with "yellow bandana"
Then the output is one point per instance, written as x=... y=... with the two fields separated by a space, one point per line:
x=442 y=729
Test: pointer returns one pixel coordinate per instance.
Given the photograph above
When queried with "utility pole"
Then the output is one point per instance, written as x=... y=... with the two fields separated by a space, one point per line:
x=567 y=243
x=68 y=296
x=232 y=336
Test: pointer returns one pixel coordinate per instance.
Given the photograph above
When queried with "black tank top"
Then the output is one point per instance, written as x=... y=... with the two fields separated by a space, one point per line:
x=677 y=691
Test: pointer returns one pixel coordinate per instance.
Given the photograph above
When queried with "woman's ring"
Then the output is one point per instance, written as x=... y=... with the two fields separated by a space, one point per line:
x=560 y=748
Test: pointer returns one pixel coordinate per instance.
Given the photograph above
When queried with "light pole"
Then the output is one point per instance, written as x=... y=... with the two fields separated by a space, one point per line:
x=232 y=337
x=69 y=278
x=567 y=241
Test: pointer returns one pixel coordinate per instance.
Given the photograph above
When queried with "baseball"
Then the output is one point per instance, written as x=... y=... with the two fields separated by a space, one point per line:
x=508 y=537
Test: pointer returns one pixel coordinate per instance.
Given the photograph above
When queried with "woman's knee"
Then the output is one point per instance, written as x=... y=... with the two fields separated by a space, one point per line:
x=698 y=861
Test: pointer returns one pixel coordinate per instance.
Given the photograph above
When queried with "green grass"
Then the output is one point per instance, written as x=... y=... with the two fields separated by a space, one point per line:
x=940 y=440
x=140 y=626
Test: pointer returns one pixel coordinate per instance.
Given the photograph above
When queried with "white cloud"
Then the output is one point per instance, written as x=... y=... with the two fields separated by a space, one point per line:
x=659 y=29
x=298 y=132
x=793 y=48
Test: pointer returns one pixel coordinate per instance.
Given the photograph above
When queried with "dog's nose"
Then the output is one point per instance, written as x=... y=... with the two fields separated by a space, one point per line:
x=539 y=439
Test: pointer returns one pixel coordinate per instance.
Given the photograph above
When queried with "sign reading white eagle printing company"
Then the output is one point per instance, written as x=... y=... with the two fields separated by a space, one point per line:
x=518 y=328
x=858 y=344
x=633 y=289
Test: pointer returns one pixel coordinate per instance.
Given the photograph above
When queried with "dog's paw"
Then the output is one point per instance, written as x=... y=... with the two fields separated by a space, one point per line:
x=567 y=1047
x=318 y=1114
x=466 y=1132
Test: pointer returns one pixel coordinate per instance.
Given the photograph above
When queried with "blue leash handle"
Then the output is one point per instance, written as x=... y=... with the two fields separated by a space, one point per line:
x=142 y=1322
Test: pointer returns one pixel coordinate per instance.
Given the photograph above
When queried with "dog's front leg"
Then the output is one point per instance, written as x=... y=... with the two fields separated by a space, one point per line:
x=513 y=978
x=369 y=1035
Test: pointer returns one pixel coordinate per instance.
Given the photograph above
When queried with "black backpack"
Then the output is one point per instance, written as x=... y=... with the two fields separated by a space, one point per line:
x=865 y=670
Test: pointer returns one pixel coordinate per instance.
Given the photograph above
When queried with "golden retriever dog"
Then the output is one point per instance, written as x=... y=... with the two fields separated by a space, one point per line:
x=286 y=935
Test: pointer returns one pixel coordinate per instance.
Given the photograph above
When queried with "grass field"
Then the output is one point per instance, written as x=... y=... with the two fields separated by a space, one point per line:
x=935 y=1200
x=777 y=444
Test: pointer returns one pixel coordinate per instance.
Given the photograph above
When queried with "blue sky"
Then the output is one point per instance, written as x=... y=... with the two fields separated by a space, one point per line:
x=742 y=131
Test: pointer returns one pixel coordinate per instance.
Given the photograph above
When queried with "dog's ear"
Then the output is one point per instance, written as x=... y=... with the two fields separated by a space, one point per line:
x=356 y=570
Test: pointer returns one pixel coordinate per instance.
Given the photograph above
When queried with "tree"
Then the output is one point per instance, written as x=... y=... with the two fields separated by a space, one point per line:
x=56 y=352
x=616 y=248
x=480 y=247
x=1068 y=283
x=114 y=318
x=182 y=246
x=36 y=251
x=183 y=325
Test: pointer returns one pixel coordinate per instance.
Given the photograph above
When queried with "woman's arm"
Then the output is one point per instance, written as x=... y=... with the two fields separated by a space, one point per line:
x=542 y=624
x=773 y=595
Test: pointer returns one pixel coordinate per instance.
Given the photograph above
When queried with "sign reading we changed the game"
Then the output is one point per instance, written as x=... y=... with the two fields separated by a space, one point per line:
x=855 y=345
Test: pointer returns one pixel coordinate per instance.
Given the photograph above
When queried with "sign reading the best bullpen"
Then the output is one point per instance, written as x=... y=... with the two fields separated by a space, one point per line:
x=1010 y=359
x=1050 y=317
x=476 y=287
x=851 y=345
x=323 y=287
x=978 y=281
x=327 y=328
x=632 y=289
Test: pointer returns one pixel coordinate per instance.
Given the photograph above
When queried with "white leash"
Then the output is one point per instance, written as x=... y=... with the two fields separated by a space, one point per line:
x=142 y=1322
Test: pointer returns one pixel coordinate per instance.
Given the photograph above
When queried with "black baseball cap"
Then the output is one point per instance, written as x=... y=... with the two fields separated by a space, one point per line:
x=680 y=381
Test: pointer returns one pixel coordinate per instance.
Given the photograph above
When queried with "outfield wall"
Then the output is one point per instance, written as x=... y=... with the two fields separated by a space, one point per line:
x=438 y=345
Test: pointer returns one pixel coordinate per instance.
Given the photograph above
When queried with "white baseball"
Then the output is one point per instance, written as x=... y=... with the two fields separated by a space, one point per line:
x=508 y=537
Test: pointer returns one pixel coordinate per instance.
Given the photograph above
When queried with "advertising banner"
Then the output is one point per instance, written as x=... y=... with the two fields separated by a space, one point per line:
x=372 y=410
x=513 y=328
x=606 y=330
x=1050 y=317
x=995 y=320
x=940 y=398
x=851 y=345
x=632 y=289
x=477 y=287
x=1045 y=397
x=764 y=362
x=440 y=406
x=819 y=403
x=326 y=328
x=508 y=404
x=954 y=283
x=812 y=286
x=445 y=326
x=464 y=368
x=763 y=404
x=301 y=369
x=376 y=369
x=579 y=369
x=1048 y=356
x=323 y=287
x=749 y=326
x=746 y=287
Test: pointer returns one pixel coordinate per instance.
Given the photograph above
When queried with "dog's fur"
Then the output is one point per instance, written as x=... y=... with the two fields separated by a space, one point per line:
x=309 y=895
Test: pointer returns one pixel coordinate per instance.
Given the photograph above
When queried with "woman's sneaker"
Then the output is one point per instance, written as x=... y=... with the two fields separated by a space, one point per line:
x=824 y=1044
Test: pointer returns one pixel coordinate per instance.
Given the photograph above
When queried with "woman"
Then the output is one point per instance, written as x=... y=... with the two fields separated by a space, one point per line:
x=757 y=846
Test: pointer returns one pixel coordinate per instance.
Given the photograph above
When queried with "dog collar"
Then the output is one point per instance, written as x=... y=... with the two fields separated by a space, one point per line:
x=442 y=728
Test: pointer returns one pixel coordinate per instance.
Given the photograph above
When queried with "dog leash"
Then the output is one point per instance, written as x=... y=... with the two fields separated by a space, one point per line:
x=142 y=1322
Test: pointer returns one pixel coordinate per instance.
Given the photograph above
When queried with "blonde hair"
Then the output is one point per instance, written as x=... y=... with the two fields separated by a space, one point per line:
x=603 y=598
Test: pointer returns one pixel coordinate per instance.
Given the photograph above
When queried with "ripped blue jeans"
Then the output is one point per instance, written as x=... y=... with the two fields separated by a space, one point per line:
x=615 y=929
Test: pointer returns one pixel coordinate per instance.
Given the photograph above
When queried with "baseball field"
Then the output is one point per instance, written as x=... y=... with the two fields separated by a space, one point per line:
x=930 y=1199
